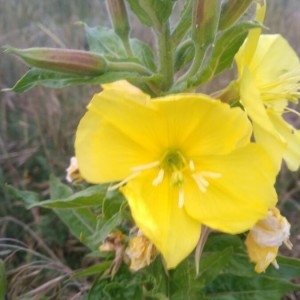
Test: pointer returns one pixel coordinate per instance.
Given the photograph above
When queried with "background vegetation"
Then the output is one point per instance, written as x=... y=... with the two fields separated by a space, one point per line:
x=36 y=139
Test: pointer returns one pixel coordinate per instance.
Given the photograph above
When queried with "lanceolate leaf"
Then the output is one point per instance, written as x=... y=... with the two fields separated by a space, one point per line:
x=81 y=221
x=105 y=41
x=223 y=52
x=151 y=12
x=91 y=196
x=38 y=77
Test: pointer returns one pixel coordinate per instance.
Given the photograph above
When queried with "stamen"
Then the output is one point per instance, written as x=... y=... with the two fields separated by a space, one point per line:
x=288 y=109
x=181 y=198
x=116 y=186
x=212 y=175
x=146 y=166
x=192 y=165
x=201 y=182
x=159 y=177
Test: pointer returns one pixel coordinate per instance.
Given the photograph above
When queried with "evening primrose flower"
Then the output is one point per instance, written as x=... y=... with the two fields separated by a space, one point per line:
x=265 y=238
x=181 y=161
x=267 y=83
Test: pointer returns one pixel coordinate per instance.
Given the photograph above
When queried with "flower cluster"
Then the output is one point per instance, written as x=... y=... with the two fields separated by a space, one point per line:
x=186 y=160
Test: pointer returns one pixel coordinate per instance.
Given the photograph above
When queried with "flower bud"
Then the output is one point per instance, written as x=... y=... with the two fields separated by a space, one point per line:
x=232 y=11
x=119 y=17
x=62 y=60
x=206 y=14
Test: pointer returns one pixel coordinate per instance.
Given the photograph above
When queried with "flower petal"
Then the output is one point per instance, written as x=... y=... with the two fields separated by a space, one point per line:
x=273 y=58
x=156 y=212
x=199 y=125
x=264 y=131
x=241 y=196
x=115 y=135
x=292 y=137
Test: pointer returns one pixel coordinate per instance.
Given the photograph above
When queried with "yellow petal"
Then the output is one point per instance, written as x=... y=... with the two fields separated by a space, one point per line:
x=264 y=131
x=113 y=137
x=292 y=138
x=273 y=58
x=156 y=212
x=242 y=194
x=198 y=124
x=122 y=85
x=272 y=145
x=261 y=256
x=246 y=52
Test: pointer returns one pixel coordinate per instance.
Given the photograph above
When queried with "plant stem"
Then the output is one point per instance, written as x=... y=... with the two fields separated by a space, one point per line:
x=196 y=64
x=128 y=67
x=166 y=56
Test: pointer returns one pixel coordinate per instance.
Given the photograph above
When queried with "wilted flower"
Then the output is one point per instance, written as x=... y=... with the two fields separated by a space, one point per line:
x=140 y=251
x=181 y=161
x=73 y=173
x=265 y=238
x=114 y=242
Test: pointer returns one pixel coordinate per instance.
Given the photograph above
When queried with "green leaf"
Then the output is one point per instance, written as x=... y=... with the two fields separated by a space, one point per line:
x=184 y=54
x=104 y=227
x=185 y=285
x=184 y=23
x=93 y=270
x=112 y=205
x=105 y=41
x=260 y=287
x=90 y=196
x=152 y=12
x=28 y=197
x=38 y=77
x=239 y=281
x=3 y=281
x=81 y=222
x=223 y=52
x=143 y=53
x=58 y=189
x=125 y=285
x=212 y=264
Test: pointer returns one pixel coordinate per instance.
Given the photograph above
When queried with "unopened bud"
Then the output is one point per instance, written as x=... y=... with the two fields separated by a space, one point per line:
x=119 y=17
x=232 y=11
x=206 y=15
x=62 y=60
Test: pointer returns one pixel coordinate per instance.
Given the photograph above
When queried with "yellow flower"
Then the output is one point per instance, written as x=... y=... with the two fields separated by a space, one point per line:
x=181 y=161
x=140 y=251
x=265 y=238
x=269 y=75
x=267 y=83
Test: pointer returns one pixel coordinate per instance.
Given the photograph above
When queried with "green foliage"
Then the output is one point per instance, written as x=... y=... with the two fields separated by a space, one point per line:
x=3 y=281
x=152 y=12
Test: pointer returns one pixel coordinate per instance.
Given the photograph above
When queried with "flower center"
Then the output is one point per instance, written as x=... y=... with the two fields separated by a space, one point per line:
x=172 y=163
